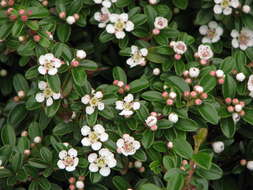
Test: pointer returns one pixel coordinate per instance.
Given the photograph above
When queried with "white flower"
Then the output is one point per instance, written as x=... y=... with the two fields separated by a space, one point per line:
x=250 y=83
x=105 y=3
x=151 y=121
x=173 y=117
x=173 y=95
x=70 y=20
x=79 y=185
x=246 y=9
x=238 y=108
x=119 y=24
x=242 y=40
x=220 y=73
x=218 y=146
x=47 y=94
x=205 y=52
x=94 y=100
x=68 y=160
x=127 y=145
x=225 y=6
x=236 y=117
x=250 y=165
x=160 y=22
x=37 y=139
x=211 y=32
x=94 y=137
x=127 y=105
x=80 y=54
x=138 y=56
x=102 y=162
x=48 y=64
x=240 y=77
x=156 y=71
x=102 y=17
x=179 y=47
x=194 y=72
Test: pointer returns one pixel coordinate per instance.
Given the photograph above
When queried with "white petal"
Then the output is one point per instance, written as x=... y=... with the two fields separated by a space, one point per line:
x=72 y=152
x=234 y=33
x=85 y=141
x=70 y=168
x=60 y=164
x=213 y=24
x=85 y=130
x=120 y=142
x=114 y=17
x=126 y=113
x=136 y=105
x=99 y=94
x=129 y=98
x=42 y=85
x=56 y=96
x=101 y=106
x=106 y=3
x=217 y=9
x=99 y=128
x=129 y=26
x=110 y=28
x=89 y=110
x=49 y=101
x=42 y=59
x=96 y=145
x=40 y=97
x=92 y=157
x=112 y=163
x=52 y=71
x=203 y=29
x=120 y=34
x=93 y=167
x=227 y=11
x=63 y=154
x=235 y=43
x=42 y=70
x=85 y=99
x=124 y=17
x=144 y=52
x=119 y=105
x=105 y=171
x=104 y=137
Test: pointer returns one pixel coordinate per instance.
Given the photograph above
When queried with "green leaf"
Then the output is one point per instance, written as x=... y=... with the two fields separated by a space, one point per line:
x=34 y=130
x=17 y=28
x=5 y=173
x=33 y=24
x=62 y=129
x=181 y=4
x=8 y=135
x=79 y=75
x=139 y=19
x=209 y=113
x=228 y=127
x=32 y=72
x=140 y=155
x=54 y=82
x=120 y=183
x=92 y=119
x=186 y=125
x=229 y=87
x=63 y=32
x=46 y=154
x=208 y=82
x=17 y=114
x=203 y=17
x=38 y=12
x=89 y=64
x=44 y=184
x=119 y=74
x=149 y=186
x=214 y=173
x=152 y=96
x=5 y=30
x=248 y=115
x=51 y=110
x=122 y=3
x=148 y=138
x=183 y=148
x=20 y=83
x=178 y=82
x=175 y=180
x=105 y=37
x=203 y=159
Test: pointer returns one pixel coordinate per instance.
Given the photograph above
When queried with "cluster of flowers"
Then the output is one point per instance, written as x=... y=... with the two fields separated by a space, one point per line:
x=191 y=74
x=226 y=7
x=80 y=54
x=196 y=96
x=71 y=19
x=151 y=121
x=159 y=24
x=204 y=54
x=170 y=97
x=76 y=184
x=179 y=48
x=137 y=56
x=23 y=15
x=219 y=74
x=122 y=87
x=235 y=107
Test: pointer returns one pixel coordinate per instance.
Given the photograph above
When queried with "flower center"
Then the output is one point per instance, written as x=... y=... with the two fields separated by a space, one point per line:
x=48 y=92
x=180 y=47
x=137 y=56
x=225 y=3
x=93 y=136
x=94 y=101
x=68 y=161
x=119 y=25
x=210 y=33
x=127 y=106
x=48 y=65
x=243 y=39
x=128 y=146
x=104 y=17
x=101 y=162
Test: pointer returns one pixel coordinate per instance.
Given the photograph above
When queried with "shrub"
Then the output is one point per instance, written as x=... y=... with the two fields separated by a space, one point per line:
x=121 y=94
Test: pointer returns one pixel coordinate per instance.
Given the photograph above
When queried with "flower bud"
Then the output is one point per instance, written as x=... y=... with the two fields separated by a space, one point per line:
x=36 y=38
x=169 y=102
x=21 y=94
x=156 y=31
x=198 y=101
x=250 y=165
x=27 y=152
x=37 y=140
x=70 y=20
x=80 y=54
x=177 y=56
x=170 y=144
x=173 y=117
x=218 y=146
x=79 y=184
x=243 y=162
x=62 y=15
x=137 y=164
x=156 y=71
x=72 y=180
x=228 y=100
x=240 y=77
x=24 y=134
x=246 y=8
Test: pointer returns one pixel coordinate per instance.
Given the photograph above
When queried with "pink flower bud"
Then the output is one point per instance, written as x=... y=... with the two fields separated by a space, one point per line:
x=76 y=16
x=153 y=114
x=221 y=81
x=203 y=62
x=169 y=102
x=21 y=11
x=30 y=12
x=156 y=31
x=165 y=94
x=11 y=2
x=204 y=95
x=72 y=180
x=153 y=128
x=170 y=144
x=243 y=162
x=212 y=73
x=188 y=80
x=177 y=56
x=72 y=187
x=230 y=109
x=196 y=55
x=194 y=94
x=74 y=63
x=235 y=101
x=12 y=17
x=62 y=15
x=198 y=101
x=3 y=3
x=24 y=18
x=242 y=103
x=186 y=73
x=115 y=82
x=127 y=87
x=242 y=113
x=228 y=100
x=36 y=38
x=121 y=91
x=187 y=93
x=120 y=84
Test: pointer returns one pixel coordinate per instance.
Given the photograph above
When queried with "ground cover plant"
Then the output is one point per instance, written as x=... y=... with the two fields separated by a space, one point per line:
x=126 y=95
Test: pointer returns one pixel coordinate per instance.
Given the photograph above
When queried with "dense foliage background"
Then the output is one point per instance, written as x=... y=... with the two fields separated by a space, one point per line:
x=121 y=94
